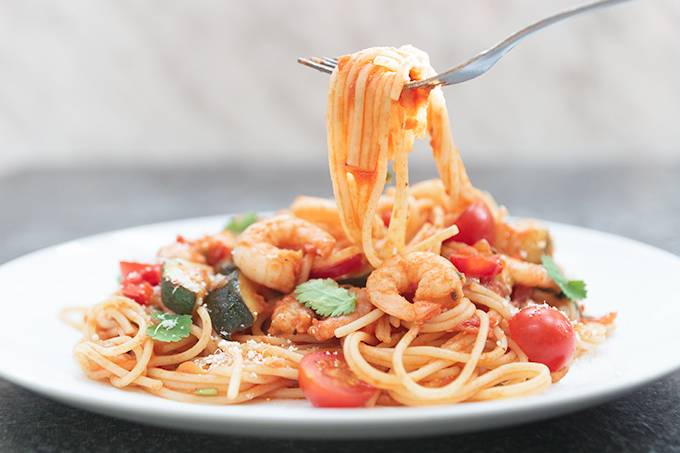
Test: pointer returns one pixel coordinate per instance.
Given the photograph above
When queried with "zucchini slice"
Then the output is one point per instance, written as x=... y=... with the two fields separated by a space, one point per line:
x=359 y=281
x=183 y=283
x=226 y=268
x=234 y=306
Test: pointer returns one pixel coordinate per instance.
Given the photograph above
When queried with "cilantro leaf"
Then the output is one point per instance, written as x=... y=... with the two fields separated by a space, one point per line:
x=238 y=224
x=573 y=289
x=325 y=297
x=170 y=328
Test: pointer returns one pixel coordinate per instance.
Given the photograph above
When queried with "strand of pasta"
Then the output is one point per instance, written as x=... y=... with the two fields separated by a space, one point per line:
x=453 y=387
x=360 y=323
x=248 y=395
x=85 y=350
x=139 y=368
x=380 y=174
x=367 y=125
x=435 y=240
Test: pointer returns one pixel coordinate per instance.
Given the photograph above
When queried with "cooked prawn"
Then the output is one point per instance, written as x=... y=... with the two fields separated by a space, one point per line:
x=290 y=317
x=270 y=252
x=201 y=250
x=321 y=212
x=325 y=329
x=528 y=274
x=182 y=250
x=432 y=279
x=527 y=240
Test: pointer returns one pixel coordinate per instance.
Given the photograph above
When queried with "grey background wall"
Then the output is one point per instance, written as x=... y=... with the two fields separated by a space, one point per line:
x=162 y=82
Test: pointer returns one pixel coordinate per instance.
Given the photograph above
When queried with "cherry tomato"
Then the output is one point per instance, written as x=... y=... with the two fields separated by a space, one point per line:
x=342 y=267
x=386 y=217
x=545 y=335
x=216 y=253
x=477 y=266
x=475 y=223
x=139 y=292
x=327 y=381
x=128 y=267
x=138 y=272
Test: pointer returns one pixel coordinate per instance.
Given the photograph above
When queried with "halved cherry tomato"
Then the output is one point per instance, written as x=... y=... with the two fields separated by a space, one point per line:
x=327 y=381
x=477 y=266
x=386 y=217
x=128 y=267
x=139 y=292
x=138 y=272
x=216 y=253
x=342 y=267
x=475 y=223
x=545 y=335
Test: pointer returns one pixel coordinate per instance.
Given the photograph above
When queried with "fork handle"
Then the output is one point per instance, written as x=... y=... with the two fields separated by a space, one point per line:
x=482 y=62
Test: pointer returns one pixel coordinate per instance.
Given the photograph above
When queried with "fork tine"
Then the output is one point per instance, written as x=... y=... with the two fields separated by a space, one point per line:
x=325 y=62
x=315 y=65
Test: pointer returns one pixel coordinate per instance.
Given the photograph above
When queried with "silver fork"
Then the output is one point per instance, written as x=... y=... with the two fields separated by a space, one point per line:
x=480 y=63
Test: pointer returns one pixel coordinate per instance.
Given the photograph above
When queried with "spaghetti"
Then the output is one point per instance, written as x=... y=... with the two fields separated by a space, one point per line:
x=406 y=295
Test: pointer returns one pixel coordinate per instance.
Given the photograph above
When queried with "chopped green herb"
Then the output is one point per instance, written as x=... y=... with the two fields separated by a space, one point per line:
x=238 y=224
x=169 y=328
x=325 y=297
x=573 y=289
x=209 y=391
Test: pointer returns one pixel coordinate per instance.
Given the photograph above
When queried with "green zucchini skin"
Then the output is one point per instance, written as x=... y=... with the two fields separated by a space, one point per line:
x=177 y=298
x=358 y=281
x=181 y=285
x=226 y=268
x=227 y=308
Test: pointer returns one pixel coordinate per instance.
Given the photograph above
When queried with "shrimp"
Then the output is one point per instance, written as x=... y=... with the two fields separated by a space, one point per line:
x=210 y=249
x=432 y=278
x=324 y=213
x=528 y=274
x=526 y=239
x=321 y=212
x=270 y=252
x=181 y=250
x=290 y=317
x=216 y=248
x=325 y=329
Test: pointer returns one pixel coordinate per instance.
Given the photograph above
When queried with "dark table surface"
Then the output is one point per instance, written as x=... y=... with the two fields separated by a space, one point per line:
x=43 y=207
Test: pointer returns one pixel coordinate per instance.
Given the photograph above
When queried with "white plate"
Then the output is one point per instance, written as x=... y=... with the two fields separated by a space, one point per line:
x=637 y=280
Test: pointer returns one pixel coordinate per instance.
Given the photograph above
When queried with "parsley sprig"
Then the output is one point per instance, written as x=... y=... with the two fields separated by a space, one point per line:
x=573 y=289
x=238 y=224
x=169 y=328
x=326 y=297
